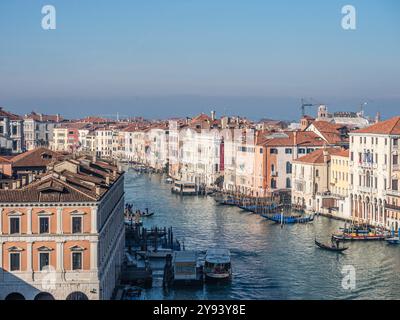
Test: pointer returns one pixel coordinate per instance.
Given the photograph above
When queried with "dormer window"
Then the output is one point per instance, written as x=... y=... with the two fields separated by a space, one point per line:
x=46 y=156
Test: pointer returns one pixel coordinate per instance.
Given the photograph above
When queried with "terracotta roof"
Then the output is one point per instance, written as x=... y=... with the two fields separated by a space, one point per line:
x=5 y=160
x=88 y=183
x=391 y=126
x=10 y=115
x=201 y=118
x=342 y=153
x=39 y=157
x=286 y=138
x=317 y=156
x=94 y=119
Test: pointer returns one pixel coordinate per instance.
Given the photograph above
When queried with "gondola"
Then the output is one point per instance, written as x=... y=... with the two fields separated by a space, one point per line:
x=147 y=214
x=330 y=248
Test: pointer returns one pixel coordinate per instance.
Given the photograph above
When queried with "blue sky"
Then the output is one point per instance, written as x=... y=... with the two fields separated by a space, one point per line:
x=158 y=58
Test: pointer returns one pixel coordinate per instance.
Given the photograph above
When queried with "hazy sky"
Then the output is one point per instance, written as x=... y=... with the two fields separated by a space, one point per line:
x=159 y=58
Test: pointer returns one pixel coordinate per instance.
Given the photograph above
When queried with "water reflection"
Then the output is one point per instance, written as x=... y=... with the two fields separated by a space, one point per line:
x=269 y=262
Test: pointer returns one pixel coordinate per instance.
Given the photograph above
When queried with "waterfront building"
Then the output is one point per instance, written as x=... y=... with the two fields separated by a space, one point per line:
x=279 y=151
x=336 y=202
x=157 y=153
x=38 y=129
x=11 y=133
x=62 y=234
x=200 y=156
x=173 y=149
x=311 y=179
x=374 y=171
x=245 y=164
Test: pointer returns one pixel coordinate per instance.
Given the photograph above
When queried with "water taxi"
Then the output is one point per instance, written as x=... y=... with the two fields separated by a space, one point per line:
x=184 y=188
x=217 y=265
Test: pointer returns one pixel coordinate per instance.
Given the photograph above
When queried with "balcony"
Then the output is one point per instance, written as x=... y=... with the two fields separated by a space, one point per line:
x=368 y=165
x=392 y=207
x=393 y=193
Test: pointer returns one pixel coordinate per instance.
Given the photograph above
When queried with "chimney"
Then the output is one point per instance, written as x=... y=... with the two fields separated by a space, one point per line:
x=295 y=138
x=94 y=158
x=378 y=117
x=18 y=184
x=326 y=155
x=30 y=178
x=108 y=180
x=98 y=190
x=41 y=117
x=14 y=185
x=57 y=117
x=23 y=181
x=114 y=174
x=213 y=115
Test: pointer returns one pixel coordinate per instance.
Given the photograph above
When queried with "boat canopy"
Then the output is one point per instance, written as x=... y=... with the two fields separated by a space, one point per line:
x=218 y=256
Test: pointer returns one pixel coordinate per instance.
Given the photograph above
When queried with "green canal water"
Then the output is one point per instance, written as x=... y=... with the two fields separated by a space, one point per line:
x=269 y=262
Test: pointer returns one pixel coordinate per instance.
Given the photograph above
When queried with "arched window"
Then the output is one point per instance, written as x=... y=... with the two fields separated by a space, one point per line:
x=44 y=296
x=288 y=167
x=77 y=295
x=15 y=296
x=273 y=184
x=288 y=183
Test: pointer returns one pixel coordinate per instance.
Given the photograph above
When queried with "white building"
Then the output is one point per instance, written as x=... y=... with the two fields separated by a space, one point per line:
x=311 y=179
x=38 y=129
x=374 y=173
x=200 y=155
x=11 y=133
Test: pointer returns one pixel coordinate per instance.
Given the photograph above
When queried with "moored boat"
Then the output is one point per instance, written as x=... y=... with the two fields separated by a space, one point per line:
x=283 y=219
x=169 y=180
x=217 y=265
x=393 y=240
x=359 y=237
x=184 y=188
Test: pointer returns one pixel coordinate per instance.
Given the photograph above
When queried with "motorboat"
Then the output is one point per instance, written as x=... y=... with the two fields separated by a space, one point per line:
x=217 y=265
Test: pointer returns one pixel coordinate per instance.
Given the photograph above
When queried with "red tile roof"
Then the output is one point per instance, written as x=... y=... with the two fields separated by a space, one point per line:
x=391 y=126
x=317 y=156
x=88 y=182
x=39 y=157
x=10 y=115
x=306 y=138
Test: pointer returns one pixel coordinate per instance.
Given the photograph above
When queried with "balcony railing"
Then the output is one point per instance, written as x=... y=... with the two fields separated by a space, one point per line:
x=392 y=207
x=393 y=193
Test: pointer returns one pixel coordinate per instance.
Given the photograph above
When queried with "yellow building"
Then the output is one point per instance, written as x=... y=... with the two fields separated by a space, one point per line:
x=339 y=173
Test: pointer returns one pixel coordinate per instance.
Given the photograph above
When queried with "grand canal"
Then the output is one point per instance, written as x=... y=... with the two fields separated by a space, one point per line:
x=269 y=262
